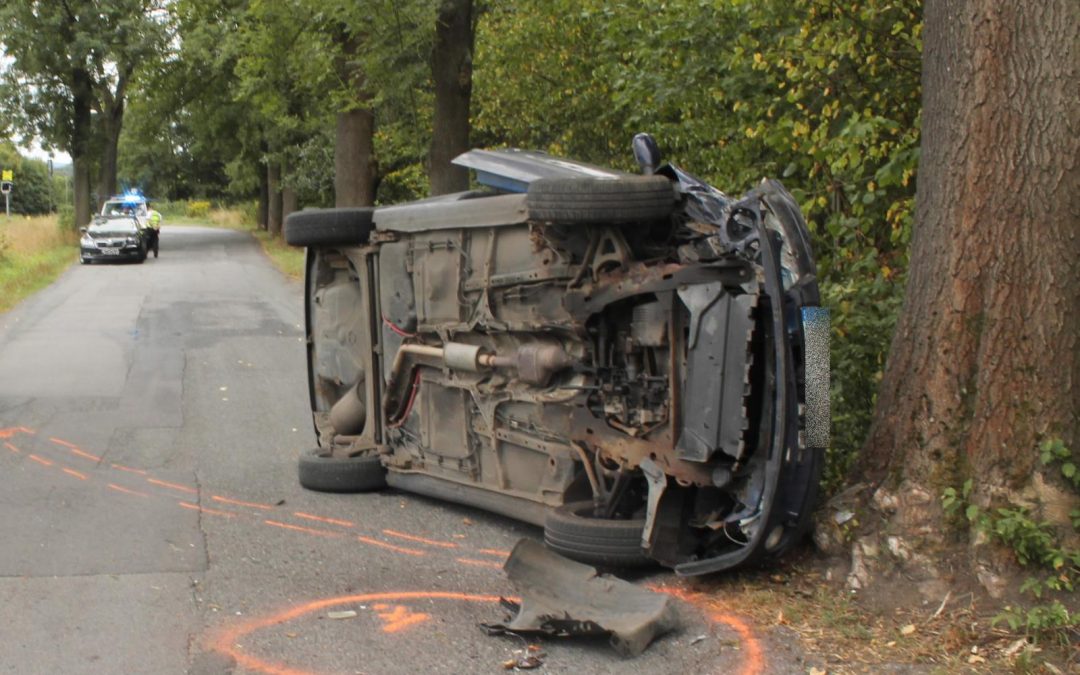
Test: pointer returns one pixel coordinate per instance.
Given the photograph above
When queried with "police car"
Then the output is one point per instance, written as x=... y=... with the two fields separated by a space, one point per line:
x=119 y=232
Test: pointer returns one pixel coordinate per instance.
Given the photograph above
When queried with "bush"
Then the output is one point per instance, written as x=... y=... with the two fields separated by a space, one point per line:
x=198 y=209
x=171 y=208
x=65 y=217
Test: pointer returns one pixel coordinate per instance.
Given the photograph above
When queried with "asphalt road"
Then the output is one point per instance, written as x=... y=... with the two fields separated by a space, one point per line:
x=151 y=522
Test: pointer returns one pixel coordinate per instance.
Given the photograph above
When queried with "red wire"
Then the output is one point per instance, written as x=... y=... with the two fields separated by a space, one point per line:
x=409 y=405
x=391 y=326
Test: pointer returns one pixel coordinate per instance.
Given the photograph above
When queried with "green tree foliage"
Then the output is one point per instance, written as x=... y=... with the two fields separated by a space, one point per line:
x=821 y=94
x=32 y=193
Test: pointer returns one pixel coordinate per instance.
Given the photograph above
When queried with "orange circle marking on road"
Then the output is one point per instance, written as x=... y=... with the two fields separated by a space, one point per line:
x=754 y=663
x=227 y=640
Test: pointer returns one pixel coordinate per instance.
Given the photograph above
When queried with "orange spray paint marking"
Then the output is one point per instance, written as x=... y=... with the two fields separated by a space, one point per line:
x=391 y=547
x=499 y=553
x=227 y=642
x=236 y=502
x=172 y=486
x=480 y=563
x=400 y=618
x=9 y=432
x=75 y=449
x=754 y=662
x=331 y=521
x=202 y=509
x=40 y=460
x=11 y=447
x=87 y=455
x=114 y=486
x=73 y=472
x=306 y=530
x=121 y=467
x=420 y=540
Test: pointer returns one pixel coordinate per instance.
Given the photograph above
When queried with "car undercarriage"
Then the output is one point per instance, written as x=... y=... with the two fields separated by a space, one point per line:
x=639 y=364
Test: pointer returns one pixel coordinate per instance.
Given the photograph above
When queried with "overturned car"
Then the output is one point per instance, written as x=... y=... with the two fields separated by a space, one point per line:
x=637 y=363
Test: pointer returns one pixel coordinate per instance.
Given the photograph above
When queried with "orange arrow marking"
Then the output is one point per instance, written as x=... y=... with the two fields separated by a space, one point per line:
x=399 y=618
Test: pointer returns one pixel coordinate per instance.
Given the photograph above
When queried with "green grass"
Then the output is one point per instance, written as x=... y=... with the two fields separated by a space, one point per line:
x=33 y=252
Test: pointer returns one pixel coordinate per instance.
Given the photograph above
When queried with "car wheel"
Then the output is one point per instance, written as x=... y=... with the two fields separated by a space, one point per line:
x=329 y=227
x=574 y=532
x=595 y=200
x=341 y=474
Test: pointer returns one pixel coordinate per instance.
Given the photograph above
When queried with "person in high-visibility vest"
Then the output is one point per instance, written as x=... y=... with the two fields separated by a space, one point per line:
x=153 y=227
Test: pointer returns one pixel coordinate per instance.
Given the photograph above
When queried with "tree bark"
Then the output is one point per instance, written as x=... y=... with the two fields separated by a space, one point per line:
x=262 y=212
x=82 y=98
x=985 y=361
x=355 y=166
x=288 y=194
x=451 y=69
x=112 y=120
x=273 y=186
x=354 y=159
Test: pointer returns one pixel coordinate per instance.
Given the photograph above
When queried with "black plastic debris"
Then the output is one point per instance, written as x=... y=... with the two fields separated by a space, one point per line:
x=561 y=597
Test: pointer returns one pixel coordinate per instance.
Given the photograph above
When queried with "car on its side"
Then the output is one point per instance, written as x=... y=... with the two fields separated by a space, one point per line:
x=637 y=363
x=113 y=238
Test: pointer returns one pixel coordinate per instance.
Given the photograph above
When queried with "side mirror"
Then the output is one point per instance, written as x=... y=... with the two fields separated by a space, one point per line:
x=82 y=230
x=647 y=153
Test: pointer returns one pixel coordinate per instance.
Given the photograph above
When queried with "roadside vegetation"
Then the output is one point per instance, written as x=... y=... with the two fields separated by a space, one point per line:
x=33 y=252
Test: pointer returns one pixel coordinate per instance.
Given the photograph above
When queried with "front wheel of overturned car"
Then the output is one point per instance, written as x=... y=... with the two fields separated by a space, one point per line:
x=627 y=199
x=341 y=474
x=571 y=530
x=329 y=227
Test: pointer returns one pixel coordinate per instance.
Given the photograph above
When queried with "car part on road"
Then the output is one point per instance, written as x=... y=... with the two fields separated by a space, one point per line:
x=316 y=227
x=560 y=597
x=638 y=363
x=341 y=474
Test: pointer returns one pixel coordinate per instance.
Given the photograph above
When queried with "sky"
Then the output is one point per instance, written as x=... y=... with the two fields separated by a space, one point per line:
x=37 y=153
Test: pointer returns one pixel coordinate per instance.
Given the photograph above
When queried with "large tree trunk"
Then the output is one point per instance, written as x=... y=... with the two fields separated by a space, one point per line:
x=273 y=186
x=80 y=142
x=354 y=159
x=354 y=143
x=288 y=194
x=262 y=212
x=112 y=121
x=985 y=361
x=451 y=69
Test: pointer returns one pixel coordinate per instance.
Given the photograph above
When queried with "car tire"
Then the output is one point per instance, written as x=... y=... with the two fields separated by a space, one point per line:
x=329 y=227
x=572 y=531
x=341 y=474
x=595 y=200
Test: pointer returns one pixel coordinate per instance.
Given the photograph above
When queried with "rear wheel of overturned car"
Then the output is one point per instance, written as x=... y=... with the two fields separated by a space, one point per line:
x=341 y=474
x=572 y=530
x=596 y=200
x=329 y=227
